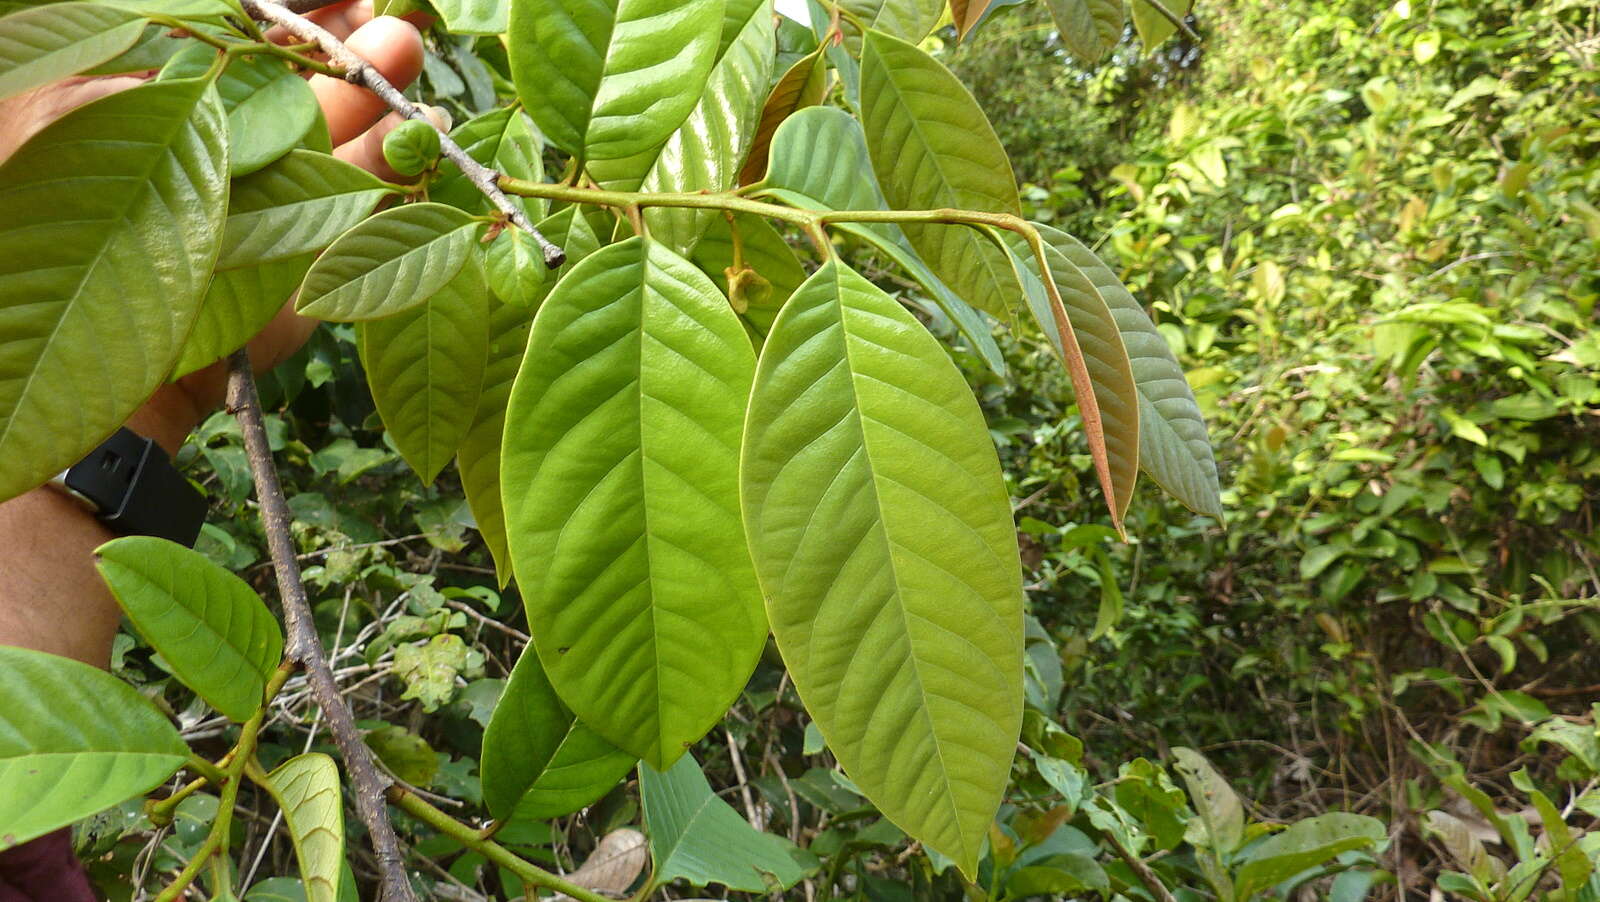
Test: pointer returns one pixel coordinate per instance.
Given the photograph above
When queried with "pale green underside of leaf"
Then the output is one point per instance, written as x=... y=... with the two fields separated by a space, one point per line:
x=46 y=43
x=908 y=20
x=883 y=539
x=73 y=740
x=1173 y=446
x=103 y=261
x=474 y=16
x=1088 y=28
x=505 y=141
x=1305 y=844
x=707 y=150
x=425 y=366
x=619 y=473
x=1099 y=342
x=269 y=105
x=538 y=761
x=698 y=837
x=607 y=79
x=514 y=266
x=278 y=219
x=479 y=457
x=820 y=161
x=306 y=788
x=395 y=260
x=1152 y=26
x=214 y=631
x=933 y=147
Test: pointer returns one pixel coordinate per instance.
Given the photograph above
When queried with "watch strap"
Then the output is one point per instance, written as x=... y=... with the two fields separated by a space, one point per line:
x=133 y=488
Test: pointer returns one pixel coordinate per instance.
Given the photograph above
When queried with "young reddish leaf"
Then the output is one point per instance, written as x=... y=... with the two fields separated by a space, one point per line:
x=803 y=85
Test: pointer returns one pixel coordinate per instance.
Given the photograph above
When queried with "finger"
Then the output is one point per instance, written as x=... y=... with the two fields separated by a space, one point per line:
x=394 y=48
x=366 y=150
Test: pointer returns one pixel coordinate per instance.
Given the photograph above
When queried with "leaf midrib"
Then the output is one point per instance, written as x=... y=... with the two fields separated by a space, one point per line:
x=883 y=531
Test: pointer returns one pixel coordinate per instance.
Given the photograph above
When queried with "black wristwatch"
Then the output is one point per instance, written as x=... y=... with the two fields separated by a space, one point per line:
x=130 y=485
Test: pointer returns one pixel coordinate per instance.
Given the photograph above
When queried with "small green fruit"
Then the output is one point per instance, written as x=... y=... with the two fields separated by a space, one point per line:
x=412 y=147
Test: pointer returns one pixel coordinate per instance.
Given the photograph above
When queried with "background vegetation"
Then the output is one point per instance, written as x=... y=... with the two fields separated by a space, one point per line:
x=1369 y=231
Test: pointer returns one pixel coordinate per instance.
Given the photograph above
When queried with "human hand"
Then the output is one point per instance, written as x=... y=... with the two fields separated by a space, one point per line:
x=356 y=123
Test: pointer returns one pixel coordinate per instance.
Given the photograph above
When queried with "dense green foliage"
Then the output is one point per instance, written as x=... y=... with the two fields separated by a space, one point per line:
x=1364 y=233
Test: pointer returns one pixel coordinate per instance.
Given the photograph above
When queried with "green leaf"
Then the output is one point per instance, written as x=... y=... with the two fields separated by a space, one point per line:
x=1173 y=447
x=820 y=162
x=73 y=740
x=395 y=260
x=479 y=457
x=1092 y=351
x=214 y=631
x=884 y=543
x=306 y=788
x=1218 y=805
x=473 y=16
x=269 y=105
x=608 y=79
x=539 y=761
x=698 y=837
x=1088 y=28
x=932 y=147
x=1153 y=27
x=94 y=248
x=425 y=368
x=46 y=43
x=908 y=20
x=503 y=140
x=1304 y=845
x=707 y=150
x=619 y=473
x=804 y=84
x=278 y=219
x=514 y=264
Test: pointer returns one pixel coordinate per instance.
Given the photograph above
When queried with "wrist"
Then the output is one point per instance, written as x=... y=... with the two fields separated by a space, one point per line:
x=168 y=417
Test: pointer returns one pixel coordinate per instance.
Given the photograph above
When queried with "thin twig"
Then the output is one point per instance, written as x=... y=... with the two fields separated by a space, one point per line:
x=1140 y=870
x=1175 y=19
x=359 y=71
x=303 y=645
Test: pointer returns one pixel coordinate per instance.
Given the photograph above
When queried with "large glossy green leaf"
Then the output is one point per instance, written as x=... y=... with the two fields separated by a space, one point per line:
x=474 y=16
x=73 y=741
x=1093 y=353
x=539 y=761
x=306 y=788
x=1088 y=28
x=607 y=79
x=395 y=260
x=698 y=837
x=278 y=219
x=425 y=367
x=1305 y=844
x=101 y=271
x=213 y=630
x=707 y=150
x=908 y=20
x=620 y=479
x=932 y=147
x=1173 y=446
x=883 y=539
x=479 y=457
x=820 y=162
x=45 y=43
x=269 y=105
x=1153 y=27
x=505 y=141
